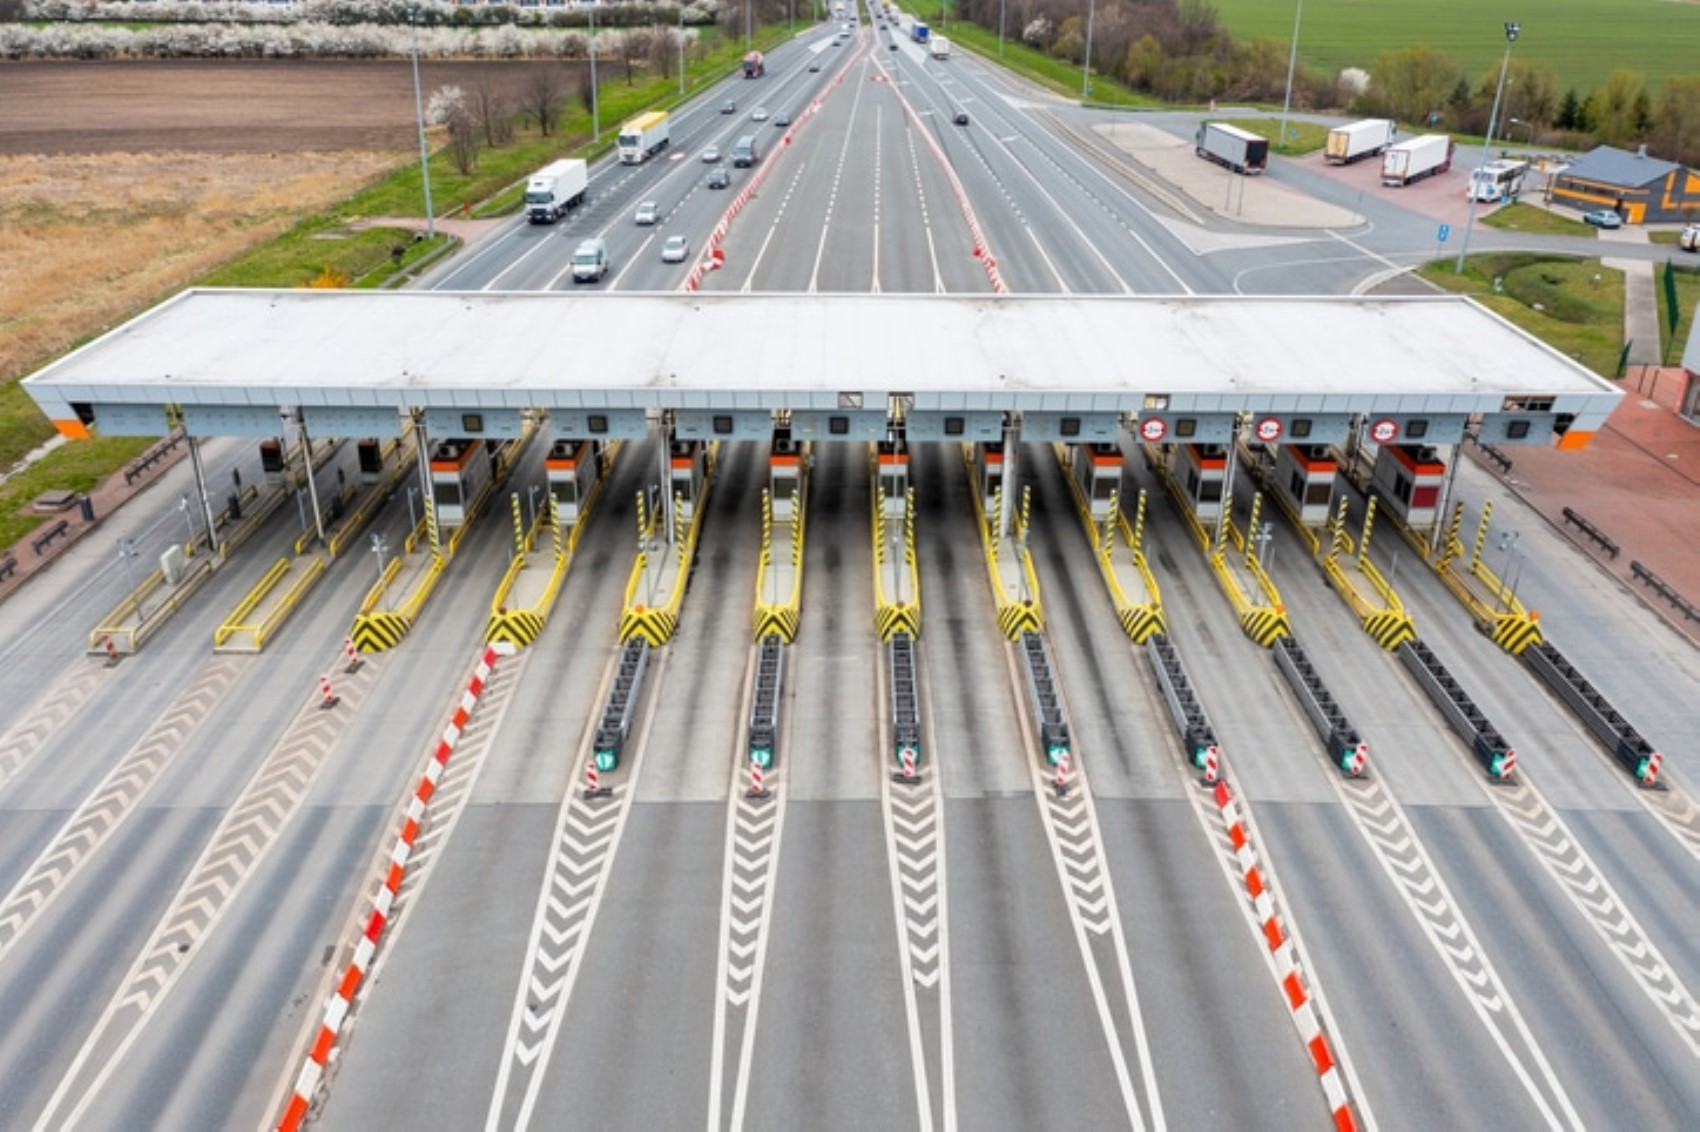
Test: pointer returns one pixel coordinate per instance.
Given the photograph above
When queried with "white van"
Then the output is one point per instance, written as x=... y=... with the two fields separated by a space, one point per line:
x=590 y=261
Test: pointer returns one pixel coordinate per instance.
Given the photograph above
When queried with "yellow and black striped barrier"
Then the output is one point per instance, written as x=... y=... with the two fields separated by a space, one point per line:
x=518 y=627
x=655 y=627
x=782 y=621
x=1515 y=632
x=1390 y=628
x=378 y=631
x=892 y=616
x=1266 y=624
x=1141 y=622
x=891 y=620
x=1018 y=617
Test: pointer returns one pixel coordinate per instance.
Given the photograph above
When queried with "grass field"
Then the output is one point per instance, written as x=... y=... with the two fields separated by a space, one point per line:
x=1581 y=41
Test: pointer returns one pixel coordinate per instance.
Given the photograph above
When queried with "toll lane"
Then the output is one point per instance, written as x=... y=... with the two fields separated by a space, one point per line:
x=1157 y=849
x=401 y=1065
x=663 y=901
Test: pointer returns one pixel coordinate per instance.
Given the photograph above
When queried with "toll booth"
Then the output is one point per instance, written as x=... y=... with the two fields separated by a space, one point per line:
x=1202 y=472
x=1305 y=476
x=460 y=471
x=988 y=474
x=271 y=460
x=572 y=467
x=1097 y=468
x=893 y=458
x=1409 y=479
x=369 y=455
x=784 y=474
x=687 y=465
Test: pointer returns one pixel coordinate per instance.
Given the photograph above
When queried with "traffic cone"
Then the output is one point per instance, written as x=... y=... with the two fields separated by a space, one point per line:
x=354 y=661
x=330 y=698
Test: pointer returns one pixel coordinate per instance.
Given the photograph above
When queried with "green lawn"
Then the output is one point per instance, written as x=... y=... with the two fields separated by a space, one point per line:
x=1535 y=221
x=1581 y=41
x=1302 y=137
x=1581 y=303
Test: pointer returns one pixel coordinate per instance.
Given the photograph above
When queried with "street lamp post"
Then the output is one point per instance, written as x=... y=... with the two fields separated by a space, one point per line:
x=747 y=39
x=1086 y=61
x=1511 y=30
x=1508 y=544
x=595 y=109
x=378 y=548
x=1530 y=126
x=127 y=555
x=681 y=48
x=1001 y=5
x=419 y=116
x=183 y=506
x=1292 y=64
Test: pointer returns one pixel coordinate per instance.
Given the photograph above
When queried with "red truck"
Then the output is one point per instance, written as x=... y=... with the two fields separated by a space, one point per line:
x=754 y=65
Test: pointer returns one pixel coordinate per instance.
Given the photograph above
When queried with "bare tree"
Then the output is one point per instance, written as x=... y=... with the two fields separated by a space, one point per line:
x=541 y=97
x=665 y=47
x=493 y=113
x=635 y=46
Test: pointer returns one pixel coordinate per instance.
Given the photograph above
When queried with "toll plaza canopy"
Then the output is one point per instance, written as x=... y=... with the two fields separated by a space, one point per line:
x=216 y=360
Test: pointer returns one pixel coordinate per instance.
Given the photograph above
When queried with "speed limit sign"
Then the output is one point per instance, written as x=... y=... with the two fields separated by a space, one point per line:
x=1383 y=430
x=1153 y=429
x=1268 y=430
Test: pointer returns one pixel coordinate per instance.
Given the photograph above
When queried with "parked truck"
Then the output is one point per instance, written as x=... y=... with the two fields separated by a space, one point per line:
x=1355 y=140
x=644 y=136
x=1239 y=150
x=754 y=65
x=1415 y=159
x=938 y=47
x=555 y=188
x=919 y=32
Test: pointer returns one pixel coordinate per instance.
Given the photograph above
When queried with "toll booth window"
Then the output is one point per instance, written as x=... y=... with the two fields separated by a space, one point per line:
x=838 y=426
x=447 y=493
x=1186 y=426
x=784 y=487
x=722 y=425
x=1297 y=490
x=1402 y=489
x=596 y=423
x=1417 y=429
x=1070 y=426
x=1299 y=428
x=1517 y=430
x=1210 y=491
x=1105 y=488
x=472 y=423
x=1319 y=493
x=955 y=426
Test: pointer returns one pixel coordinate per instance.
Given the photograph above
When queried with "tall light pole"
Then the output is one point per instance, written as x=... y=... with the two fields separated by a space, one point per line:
x=1086 y=62
x=747 y=39
x=595 y=108
x=681 y=49
x=1292 y=65
x=1511 y=30
x=419 y=116
x=1530 y=126
x=1001 y=5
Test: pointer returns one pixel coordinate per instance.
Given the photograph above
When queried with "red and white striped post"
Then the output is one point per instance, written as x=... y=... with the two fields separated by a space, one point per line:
x=1060 y=783
x=756 y=790
x=353 y=655
x=593 y=787
x=1212 y=765
x=329 y=698
x=909 y=763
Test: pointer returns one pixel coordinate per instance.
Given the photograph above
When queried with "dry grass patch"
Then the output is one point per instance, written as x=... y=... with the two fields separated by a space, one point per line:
x=94 y=239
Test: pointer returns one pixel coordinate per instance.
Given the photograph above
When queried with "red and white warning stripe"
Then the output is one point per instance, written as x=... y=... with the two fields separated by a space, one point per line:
x=1292 y=981
x=371 y=934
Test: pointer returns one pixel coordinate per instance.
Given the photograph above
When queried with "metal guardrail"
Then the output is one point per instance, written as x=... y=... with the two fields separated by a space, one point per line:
x=1594 y=533
x=1664 y=589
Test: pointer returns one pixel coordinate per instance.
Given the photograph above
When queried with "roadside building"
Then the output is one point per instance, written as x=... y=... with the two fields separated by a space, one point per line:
x=1643 y=189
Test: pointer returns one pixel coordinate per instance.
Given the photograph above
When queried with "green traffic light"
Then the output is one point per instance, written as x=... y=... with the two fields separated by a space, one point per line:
x=606 y=760
x=761 y=756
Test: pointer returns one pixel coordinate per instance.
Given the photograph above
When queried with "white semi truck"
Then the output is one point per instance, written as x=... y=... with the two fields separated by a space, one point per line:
x=644 y=136
x=555 y=188
x=1415 y=159
x=1354 y=140
x=1239 y=150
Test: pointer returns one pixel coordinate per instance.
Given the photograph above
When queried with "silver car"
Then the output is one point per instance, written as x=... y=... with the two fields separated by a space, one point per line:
x=675 y=249
x=711 y=155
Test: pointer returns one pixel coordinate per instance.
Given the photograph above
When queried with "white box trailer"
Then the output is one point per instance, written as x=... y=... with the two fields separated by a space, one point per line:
x=1415 y=159
x=1355 y=140
x=555 y=188
x=644 y=136
x=938 y=47
x=1239 y=150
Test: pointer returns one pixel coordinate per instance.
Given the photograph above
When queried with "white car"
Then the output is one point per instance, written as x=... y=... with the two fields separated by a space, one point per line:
x=760 y=114
x=1689 y=240
x=675 y=249
x=648 y=213
x=711 y=155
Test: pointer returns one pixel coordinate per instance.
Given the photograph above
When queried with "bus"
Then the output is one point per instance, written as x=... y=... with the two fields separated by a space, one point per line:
x=1498 y=180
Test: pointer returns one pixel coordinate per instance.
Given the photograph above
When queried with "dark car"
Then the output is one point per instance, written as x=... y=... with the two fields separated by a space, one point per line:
x=782 y=119
x=729 y=107
x=814 y=68
x=1603 y=218
x=961 y=118
x=893 y=45
x=719 y=179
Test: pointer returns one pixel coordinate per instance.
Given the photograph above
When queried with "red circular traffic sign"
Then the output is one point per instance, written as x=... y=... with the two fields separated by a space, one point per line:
x=1268 y=430
x=1383 y=430
x=1153 y=429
